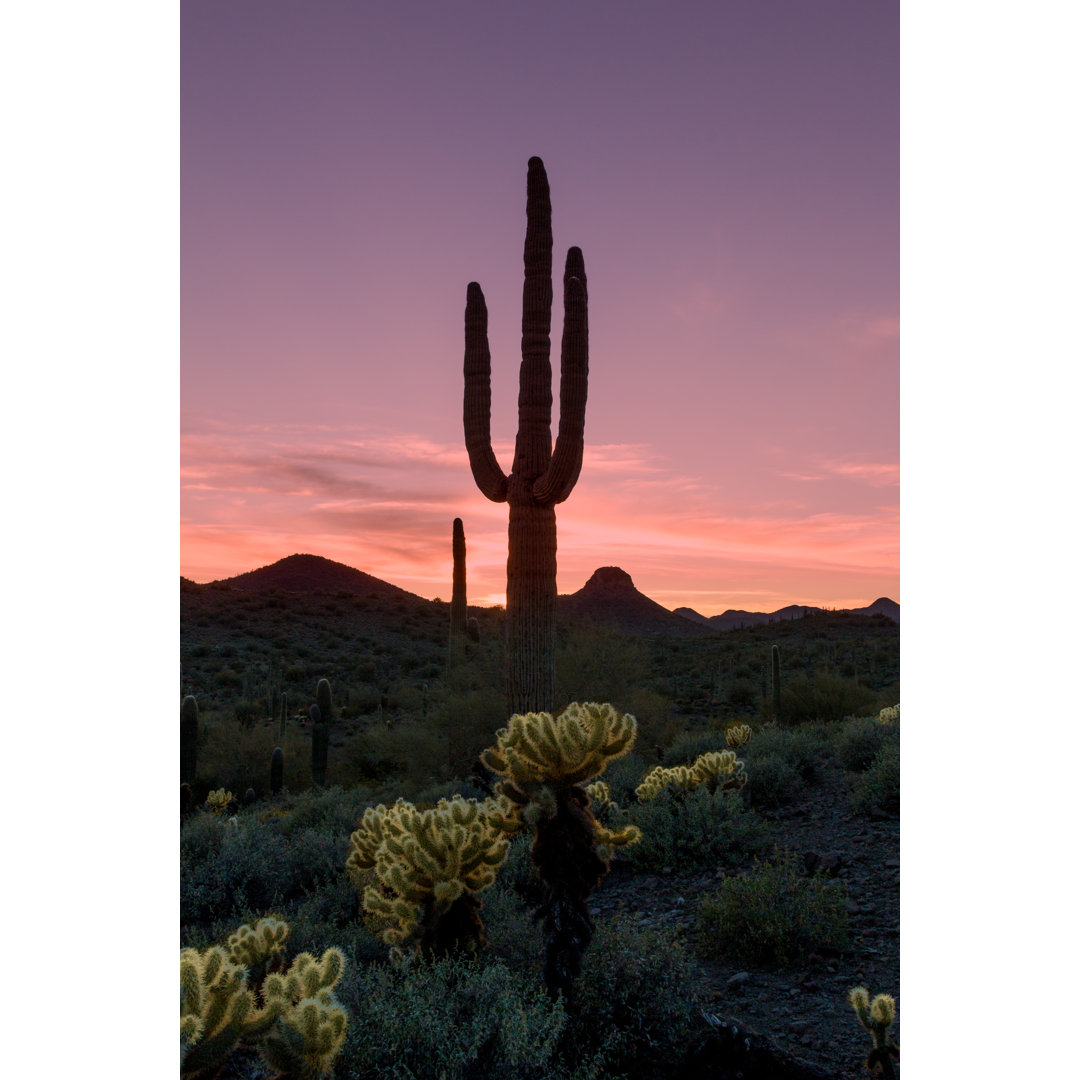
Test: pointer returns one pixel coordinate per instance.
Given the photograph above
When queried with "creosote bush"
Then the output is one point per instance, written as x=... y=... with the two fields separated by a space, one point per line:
x=773 y=915
x=859 y=740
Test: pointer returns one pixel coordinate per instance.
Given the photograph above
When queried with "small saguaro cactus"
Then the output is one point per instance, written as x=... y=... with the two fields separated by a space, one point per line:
x=189 y=739
x=545 y=760
x=457 y=601
x=472 y=629
x=322 y=714
x=277 y=770
x=776 y=682
x=877 y=1017
x=539 y=478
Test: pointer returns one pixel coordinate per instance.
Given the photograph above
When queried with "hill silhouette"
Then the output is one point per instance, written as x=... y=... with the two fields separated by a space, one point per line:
x=609 y=597
x=308 y=573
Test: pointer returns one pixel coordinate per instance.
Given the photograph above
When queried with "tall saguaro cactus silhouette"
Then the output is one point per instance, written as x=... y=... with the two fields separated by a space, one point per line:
x=540 y=478
x=457 y=602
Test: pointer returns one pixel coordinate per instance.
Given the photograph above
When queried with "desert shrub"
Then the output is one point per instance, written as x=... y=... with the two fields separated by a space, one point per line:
x=806 y=748
x=879 y=787
x=598 y=663
x=623 y=775
x=774 y=782
x=236 y=757
x=691 y=829
x=251 y=865
x=448 y=1020
x=691 y=744
x=657 y=724
x=859 y=741
x=635 y=1002
x=330 y=810
x=824 y=696
x=742 y=693
x=773 y=915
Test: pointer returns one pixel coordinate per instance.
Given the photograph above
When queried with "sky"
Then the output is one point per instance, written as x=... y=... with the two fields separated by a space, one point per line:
x=730 y=171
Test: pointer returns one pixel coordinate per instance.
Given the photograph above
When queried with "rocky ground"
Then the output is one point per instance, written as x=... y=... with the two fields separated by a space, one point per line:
x=801 y=1010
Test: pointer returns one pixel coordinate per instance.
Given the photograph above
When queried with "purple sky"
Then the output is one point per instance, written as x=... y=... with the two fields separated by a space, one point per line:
x=731 y=173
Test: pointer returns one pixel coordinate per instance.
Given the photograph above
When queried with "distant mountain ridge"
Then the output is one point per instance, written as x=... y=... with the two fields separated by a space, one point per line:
x=734 y=618
x=609 y=597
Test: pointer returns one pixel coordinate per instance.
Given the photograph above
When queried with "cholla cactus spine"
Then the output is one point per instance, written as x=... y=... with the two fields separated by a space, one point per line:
x=189 y=739
x=737 y=734
x=540 y=478
x=890 y=714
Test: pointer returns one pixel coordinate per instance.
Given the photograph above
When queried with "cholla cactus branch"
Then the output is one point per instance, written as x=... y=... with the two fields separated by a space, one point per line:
x=877 y=1017
x=716 y=769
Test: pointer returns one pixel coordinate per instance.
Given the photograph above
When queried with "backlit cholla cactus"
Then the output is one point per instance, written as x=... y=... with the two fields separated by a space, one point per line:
x=310 y=1029
x=737 y=735
x=228 y=999
x=599 y=793
x=877 y=1017
x=219 y=801
x=890 y=714
x=218 y=1011
x=716 y=769
x=539 y=478
x=544 y=760
x=430 y=866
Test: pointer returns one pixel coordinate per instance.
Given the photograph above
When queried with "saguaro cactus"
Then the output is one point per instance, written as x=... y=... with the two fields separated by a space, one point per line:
x=189 y=739
x=322 y=714
x=776 y=682
x=457 y=601
x=539 y=478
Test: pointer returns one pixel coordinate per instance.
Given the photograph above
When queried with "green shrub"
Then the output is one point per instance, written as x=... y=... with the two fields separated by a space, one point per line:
x=858 y=742
x=879 y=787
x=824 y=696
x=635 y=1002
x=772 y=915
x=691 y=829
x=774 y=782
x=448 y=1020
x=806 y=748
x=690 y=745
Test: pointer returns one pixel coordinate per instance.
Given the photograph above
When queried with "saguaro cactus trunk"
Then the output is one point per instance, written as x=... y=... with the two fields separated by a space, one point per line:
x=540 y=478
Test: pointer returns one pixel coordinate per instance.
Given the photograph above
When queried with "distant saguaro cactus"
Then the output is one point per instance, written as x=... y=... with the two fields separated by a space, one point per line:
x=277 y=770
x=539 y=478
x=322 y=714
x=776 y=682
x=457 y=602
x=189 y=739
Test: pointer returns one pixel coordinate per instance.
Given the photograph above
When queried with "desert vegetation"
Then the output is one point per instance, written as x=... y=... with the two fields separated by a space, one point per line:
x=421 y=841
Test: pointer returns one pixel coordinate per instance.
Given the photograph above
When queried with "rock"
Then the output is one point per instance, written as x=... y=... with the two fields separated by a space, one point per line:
x=738 y=980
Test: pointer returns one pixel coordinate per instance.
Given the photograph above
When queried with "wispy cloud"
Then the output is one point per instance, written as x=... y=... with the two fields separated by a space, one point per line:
x=385 y=504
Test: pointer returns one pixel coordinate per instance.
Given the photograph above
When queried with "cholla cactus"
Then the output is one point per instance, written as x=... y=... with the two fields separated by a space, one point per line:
x=599 y=793
x=310 y=1030
x=219 y=801
x=544 y=760
x=716 y=769
x=877 y=1017
x=217 y=1011
x=890 y=714
x=737 y=735
x=430 y=866
x=292 y=1017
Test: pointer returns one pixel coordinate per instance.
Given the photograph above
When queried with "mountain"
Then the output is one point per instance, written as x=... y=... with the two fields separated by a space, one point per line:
x=307 y=573
x=609 y=596
x=692 y=615
x=734 y=618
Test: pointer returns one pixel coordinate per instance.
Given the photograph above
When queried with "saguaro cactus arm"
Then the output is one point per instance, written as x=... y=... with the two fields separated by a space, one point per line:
x=565 y=467
x=490 y=479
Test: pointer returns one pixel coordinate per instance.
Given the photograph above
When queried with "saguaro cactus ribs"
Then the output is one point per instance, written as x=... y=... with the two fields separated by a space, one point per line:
x=539 y=478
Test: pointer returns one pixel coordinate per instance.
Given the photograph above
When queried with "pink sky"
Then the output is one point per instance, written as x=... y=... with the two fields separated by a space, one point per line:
x=730 y=172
